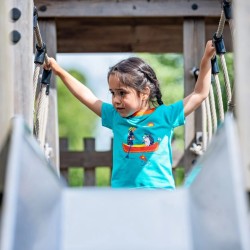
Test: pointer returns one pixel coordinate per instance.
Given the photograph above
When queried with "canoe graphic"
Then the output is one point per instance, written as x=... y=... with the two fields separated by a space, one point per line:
x=140 y=148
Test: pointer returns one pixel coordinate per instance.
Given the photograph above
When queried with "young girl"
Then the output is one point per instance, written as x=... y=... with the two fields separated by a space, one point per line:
x=142 y=125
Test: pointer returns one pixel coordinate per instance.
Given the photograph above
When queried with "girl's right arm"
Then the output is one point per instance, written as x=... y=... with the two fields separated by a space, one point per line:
x=79 y=90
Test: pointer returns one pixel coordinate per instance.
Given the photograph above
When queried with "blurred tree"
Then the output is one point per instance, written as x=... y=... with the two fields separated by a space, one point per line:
x=75 y=120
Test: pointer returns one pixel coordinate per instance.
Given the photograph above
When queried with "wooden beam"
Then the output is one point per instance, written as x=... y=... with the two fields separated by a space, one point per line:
x=128 y=8
x=242 y=62
x=193 y=46
x=48 y=33
x=116 y=38
x=23 y=62
x=128 y=35
x=115 y=26
x=6 y=73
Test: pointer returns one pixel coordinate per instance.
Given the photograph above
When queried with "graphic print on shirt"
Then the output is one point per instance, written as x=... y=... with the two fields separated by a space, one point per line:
x=148 y=143
x=130 y=140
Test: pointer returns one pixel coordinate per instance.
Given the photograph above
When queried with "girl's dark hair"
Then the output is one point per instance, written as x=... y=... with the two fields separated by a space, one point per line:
x=136 y=73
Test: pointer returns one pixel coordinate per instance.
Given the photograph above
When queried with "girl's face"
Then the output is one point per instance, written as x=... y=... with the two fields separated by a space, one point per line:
x=125 y=99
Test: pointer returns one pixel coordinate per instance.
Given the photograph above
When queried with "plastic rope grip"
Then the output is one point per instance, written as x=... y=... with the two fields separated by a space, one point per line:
x=215 y=66
x=46 y=79
x=40 y=54
x=227 y=9
x=219 y=45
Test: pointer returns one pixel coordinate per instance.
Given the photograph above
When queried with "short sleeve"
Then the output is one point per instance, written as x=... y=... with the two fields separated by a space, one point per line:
x=107 y=115
x=176 y=114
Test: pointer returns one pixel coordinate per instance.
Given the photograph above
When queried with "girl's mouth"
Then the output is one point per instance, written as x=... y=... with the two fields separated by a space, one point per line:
x=119 y=109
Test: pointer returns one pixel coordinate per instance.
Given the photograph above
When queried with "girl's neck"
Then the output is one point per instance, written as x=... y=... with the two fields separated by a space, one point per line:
x=144 y=111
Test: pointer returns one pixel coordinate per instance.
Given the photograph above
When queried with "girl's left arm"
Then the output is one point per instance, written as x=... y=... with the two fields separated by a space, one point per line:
x=202 y=86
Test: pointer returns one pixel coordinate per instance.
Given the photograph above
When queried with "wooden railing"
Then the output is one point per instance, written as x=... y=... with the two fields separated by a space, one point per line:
x=88 y=159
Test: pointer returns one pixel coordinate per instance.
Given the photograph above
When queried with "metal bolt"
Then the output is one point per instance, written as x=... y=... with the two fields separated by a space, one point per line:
x=15 y=14
x=43 y=8
x=195 y=6
x=15 y=36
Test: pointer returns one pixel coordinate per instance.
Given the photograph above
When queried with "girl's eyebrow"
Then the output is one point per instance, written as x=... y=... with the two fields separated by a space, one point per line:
x=118 y=89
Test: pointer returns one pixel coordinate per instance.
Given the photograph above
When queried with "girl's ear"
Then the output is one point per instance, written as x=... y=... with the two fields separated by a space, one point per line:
x=146 y=93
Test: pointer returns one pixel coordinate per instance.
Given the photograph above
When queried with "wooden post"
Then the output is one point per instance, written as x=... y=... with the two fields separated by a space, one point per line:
x=193 y=48
x=48 y=33
x=23 y=61
x=64 y=147
x=6 y=73
x=242 y=62
x=89 y=173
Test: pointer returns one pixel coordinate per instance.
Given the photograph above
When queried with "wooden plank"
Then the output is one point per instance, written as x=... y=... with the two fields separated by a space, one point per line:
x=131 y=8
x=242 y=62
x=6 y=72
x=85 y=159
x=48 y=33
x=193 y=46
x=23 y=62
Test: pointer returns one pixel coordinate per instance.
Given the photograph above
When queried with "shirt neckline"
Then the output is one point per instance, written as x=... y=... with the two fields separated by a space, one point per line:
x=146 y=112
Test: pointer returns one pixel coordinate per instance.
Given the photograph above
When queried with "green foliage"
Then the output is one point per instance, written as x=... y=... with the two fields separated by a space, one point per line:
x=75 y=120
x=169 y=71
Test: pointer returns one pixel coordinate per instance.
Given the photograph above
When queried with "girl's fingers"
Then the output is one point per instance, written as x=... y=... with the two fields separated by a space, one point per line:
x=48 y=65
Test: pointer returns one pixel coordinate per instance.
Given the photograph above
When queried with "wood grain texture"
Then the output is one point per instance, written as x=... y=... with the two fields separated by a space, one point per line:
x=6 y=72
x=127 y=26
x=48 y=33
x=23 y=62
x=193 y=46
x=242 y=59
x=127 y=8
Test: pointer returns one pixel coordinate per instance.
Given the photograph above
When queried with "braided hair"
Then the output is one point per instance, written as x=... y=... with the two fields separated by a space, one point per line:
x=136 y=73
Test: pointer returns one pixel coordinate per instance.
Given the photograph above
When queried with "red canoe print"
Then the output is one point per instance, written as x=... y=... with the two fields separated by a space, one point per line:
x=140 y=148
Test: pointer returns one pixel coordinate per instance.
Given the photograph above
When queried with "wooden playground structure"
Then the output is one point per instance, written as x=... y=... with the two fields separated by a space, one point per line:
x=155 y=26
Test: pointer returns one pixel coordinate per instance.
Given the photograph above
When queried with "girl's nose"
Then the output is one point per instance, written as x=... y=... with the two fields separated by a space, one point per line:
x=116 y=99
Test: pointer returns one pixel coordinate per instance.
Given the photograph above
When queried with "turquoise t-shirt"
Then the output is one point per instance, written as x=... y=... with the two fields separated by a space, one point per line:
x=142 y=154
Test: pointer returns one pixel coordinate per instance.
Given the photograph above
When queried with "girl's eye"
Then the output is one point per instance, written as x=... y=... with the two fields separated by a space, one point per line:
x=122 y=93
x=112 y=93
